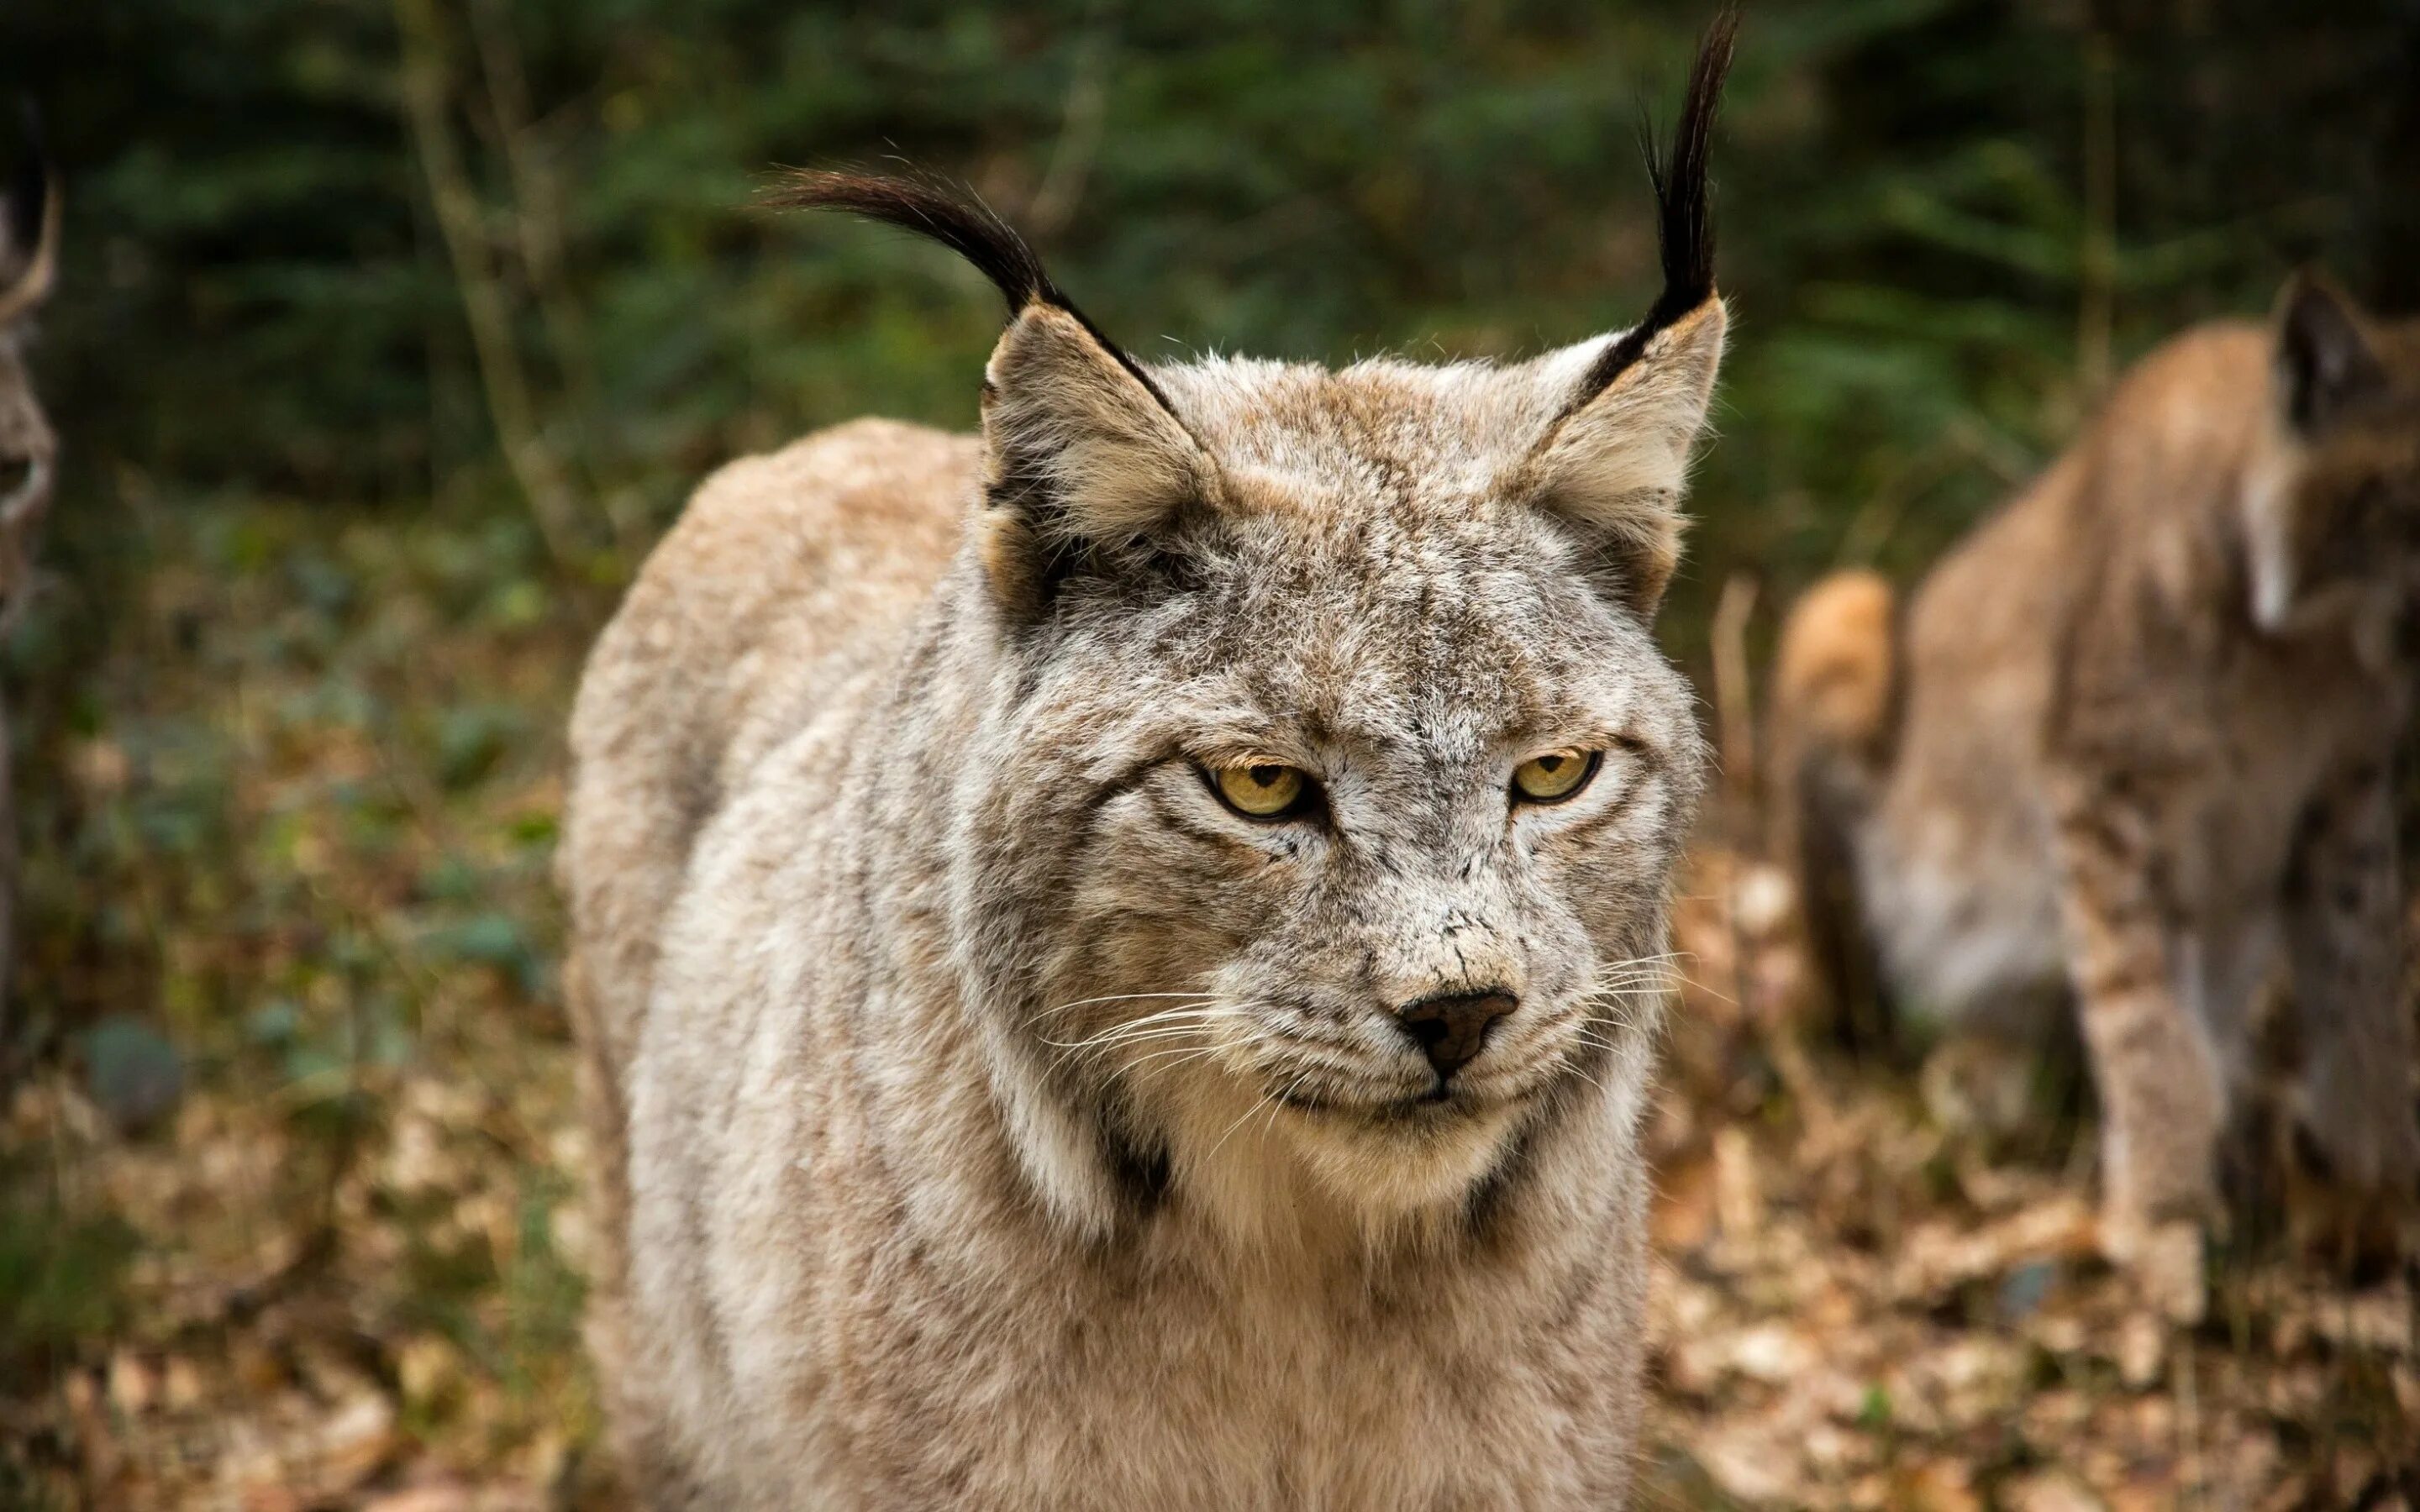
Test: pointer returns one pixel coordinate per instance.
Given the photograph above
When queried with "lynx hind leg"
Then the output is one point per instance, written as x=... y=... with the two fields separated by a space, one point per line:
x=2344 y=906
x=2162 y=1095
x=1834 y=683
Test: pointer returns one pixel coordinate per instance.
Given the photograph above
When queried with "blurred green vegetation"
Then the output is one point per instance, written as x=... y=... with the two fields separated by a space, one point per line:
x=389 y=324
x=1940 y=218
x=392 y=332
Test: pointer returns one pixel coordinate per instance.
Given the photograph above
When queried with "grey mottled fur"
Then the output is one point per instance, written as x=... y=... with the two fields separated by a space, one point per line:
x=990 y=1118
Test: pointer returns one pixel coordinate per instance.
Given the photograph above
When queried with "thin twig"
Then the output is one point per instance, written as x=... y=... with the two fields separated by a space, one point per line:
x=1734 y=700
x=502 y=374
x=1062 y=189
x=2095 y=300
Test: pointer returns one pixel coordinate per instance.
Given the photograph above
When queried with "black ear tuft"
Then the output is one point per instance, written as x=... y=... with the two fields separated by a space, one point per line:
x=963 y=224
x=2324 y=358
x=1685 y=223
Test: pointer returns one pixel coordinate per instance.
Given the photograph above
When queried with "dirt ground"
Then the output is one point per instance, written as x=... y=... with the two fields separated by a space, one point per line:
x=291 y=1219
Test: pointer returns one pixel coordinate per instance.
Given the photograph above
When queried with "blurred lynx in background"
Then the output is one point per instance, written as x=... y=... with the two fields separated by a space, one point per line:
x=2137 y=736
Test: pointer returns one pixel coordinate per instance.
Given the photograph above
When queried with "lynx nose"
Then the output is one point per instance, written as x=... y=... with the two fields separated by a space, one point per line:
x=1450 y=1030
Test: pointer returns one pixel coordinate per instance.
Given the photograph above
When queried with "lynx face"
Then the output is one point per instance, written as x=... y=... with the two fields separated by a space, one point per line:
x=2341 y=532
x=1326 y=820
x=1365 y=778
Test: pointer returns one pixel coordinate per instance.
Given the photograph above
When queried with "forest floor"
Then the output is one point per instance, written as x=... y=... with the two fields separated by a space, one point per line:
x=291 y=1219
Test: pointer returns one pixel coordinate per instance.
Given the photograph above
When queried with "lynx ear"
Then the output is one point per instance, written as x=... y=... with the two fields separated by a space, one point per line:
x=1619 y=463
x=1616 y=459
x=2324 y=358
x=30 y=227
x=1084 y=449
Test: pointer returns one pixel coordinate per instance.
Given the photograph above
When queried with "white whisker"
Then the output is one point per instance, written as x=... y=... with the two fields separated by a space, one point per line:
x=1264 y=1097
x=1278 y=1102
x=1123 y=1033
x=1173 y=1058
x=1195 y=1013
x=1111 y=997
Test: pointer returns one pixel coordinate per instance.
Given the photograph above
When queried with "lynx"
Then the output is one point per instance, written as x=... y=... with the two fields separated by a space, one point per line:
x=29 y=246
x=2133 y=743
x=1117 y=958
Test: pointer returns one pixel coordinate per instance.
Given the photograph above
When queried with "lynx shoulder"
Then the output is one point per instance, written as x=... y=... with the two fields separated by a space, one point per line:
x=1113 y=959
x=2129 y=746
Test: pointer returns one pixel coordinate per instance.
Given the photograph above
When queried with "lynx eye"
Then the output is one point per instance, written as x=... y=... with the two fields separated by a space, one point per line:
x=1555 y=776
x=1265 y=790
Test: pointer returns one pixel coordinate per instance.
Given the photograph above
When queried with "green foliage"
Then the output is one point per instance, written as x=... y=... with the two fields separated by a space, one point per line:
x=1944 y=220
x=58 y=1275
x=392 y=332
x=495 y=259
x=261 y=292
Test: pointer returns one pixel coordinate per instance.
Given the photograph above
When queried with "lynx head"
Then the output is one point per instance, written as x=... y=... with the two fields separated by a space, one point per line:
x=2338 y=528
x=1314 y=856
x=29 y=244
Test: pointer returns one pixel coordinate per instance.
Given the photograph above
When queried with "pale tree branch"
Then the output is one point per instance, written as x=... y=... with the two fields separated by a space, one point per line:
x=485 y=307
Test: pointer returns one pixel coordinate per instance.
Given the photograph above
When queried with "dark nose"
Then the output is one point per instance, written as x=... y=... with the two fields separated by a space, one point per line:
x=1450 y=1030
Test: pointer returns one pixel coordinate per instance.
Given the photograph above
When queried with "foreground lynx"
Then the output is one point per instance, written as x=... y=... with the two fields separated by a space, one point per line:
x=2138 y=735
x=1116 y=959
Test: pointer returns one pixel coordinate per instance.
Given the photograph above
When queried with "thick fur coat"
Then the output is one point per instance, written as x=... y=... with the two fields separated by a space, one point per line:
x=990 y=1112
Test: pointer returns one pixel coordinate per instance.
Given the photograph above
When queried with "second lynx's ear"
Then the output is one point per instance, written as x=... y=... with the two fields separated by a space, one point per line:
x=2324 y=358
x=1083 y=449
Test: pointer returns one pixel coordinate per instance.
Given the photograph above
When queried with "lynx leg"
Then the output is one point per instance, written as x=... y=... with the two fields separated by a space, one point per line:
x=2162 y=1095
x=2345 y=935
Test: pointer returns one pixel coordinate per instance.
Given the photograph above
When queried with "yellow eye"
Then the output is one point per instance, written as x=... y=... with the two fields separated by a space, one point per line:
x=1555 y=776
x=1263 y=791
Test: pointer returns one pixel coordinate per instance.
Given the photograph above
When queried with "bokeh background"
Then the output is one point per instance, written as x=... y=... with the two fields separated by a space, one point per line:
x=393 y=332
